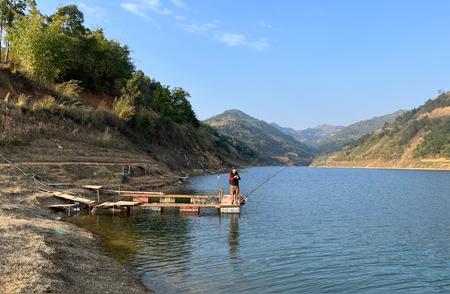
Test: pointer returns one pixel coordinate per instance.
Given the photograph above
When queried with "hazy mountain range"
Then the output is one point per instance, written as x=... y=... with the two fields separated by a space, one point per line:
x=275 y=144
x=324 y=138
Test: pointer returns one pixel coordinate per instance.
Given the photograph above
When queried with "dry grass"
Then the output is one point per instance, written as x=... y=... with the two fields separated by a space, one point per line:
x=24 y=258
x=6 y=99
x=22 y=101
x=46 y=103
x=124 y=108
x=71 y=89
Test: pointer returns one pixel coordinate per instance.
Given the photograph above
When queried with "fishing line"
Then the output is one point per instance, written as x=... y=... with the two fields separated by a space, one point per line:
x=245 y=195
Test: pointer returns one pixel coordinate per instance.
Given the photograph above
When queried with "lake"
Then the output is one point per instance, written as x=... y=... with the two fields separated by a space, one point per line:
x=309 y=230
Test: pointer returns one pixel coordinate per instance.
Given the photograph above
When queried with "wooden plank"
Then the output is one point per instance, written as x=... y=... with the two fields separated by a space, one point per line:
x=61 y=205
x=73 y=198
x=118 y=203
x=127 y=203
x=58 y=184
x=168 y=196
x=134 y=192
x=92 y=187
x=212 y=205
x=105 y=204
x=193 y=209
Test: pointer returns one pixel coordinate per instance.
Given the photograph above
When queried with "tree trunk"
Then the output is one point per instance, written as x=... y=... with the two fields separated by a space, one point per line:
x=8 y=44
x=1 y=38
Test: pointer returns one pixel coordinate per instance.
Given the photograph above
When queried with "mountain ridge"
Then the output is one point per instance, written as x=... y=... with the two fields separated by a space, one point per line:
x=272 y=145
x=324 y=138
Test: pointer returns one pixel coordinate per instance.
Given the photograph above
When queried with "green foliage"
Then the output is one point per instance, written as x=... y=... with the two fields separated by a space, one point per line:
x=172 y=104
x=101 y=64
x=404 y=117
x=412 y=129
x=443 y=100
x=60 y=48
x=437 y=141
x=73 y=19
x=63 y=57
x=40 y=48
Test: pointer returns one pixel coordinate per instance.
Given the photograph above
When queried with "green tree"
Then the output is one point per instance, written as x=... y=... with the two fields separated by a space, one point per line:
x=73 y=19
x=106 y=64
x=41 y=48
x=182 y=108
x=10 y=10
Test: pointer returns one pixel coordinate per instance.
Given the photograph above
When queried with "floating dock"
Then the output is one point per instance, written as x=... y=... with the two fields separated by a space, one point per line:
x=154 y=201
x=185 y=203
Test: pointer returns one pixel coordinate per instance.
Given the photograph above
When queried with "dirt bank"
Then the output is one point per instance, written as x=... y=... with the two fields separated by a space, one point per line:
x=40 y=254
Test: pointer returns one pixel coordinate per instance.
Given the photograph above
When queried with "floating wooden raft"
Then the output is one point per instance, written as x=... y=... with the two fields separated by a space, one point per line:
x=196 y=202
x=74 y=198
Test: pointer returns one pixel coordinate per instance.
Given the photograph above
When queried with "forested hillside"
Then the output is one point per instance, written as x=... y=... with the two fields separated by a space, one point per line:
x=270 y=144
x=419 y=138
x=63 y=81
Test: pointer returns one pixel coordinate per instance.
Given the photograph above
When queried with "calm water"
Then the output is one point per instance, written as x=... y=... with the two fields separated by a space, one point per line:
x=307 y=231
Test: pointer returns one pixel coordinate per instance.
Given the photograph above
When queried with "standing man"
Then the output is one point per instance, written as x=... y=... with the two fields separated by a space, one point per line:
x=234 y=186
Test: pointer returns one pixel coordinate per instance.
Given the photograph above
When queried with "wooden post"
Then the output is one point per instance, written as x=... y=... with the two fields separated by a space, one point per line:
x=221 y=194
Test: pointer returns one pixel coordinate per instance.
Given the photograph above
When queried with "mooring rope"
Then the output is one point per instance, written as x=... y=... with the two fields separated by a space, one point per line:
x=44 y=187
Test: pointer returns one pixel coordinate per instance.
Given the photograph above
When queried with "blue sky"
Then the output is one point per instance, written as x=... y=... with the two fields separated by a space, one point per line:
x=296 y=63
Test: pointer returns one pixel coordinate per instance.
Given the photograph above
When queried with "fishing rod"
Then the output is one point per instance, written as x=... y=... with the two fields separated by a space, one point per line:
x=245 y=195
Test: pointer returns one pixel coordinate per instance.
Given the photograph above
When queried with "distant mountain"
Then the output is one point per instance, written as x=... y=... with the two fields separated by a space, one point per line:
x=325 y=138
x=271 y=144
x=311 y=136
x=419 y=138
x=354 y=131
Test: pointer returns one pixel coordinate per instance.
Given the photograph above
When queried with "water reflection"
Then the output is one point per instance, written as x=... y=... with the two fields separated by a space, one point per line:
x=117 y=236
x=234 y=235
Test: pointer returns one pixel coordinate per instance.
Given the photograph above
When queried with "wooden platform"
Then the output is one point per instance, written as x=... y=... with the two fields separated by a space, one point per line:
x=118 y=204
x=158 y=202
x=74 y=198
x=155 y=201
